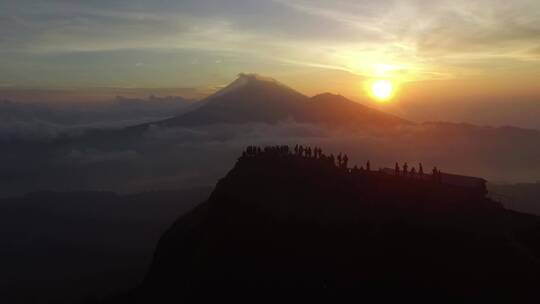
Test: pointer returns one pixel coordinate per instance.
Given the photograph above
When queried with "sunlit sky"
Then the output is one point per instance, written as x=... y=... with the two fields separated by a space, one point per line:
x=471 y=49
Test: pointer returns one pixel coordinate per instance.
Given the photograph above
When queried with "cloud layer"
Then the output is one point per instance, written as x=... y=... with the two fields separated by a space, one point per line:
x=176 y=158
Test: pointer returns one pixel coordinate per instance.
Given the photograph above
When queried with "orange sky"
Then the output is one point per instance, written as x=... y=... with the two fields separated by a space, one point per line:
x=433 y=51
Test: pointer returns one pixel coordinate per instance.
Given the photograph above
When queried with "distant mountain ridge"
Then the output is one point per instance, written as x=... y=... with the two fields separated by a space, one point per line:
x=252 y=98
x=256 y=99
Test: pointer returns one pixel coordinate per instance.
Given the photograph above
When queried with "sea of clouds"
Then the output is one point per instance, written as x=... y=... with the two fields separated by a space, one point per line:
x=177 y=158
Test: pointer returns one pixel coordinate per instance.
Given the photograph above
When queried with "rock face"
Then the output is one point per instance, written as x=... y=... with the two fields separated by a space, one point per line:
x=287 y=224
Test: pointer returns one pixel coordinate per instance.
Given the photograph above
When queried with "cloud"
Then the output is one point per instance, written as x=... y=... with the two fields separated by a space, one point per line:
x=25 y=131
x=42 y=122
x=498 y=30
x=535 y=51
x=47 y=43
x=259 y=133
x=87 y=157
x=175 y=158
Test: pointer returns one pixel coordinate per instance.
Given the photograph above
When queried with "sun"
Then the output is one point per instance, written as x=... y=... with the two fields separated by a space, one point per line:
x=382 y=89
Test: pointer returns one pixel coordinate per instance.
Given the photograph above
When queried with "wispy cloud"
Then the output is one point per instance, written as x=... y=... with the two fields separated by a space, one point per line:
x=421 y=40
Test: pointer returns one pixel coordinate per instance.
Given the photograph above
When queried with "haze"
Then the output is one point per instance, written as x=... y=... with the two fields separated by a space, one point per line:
x=382 y=145
x=439 y=52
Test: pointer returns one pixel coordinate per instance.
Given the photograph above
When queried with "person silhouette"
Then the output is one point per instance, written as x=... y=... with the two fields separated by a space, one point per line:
x=345 y=160
x=413 y=172
x=420 y=170
x=435 y=173
x=396 y=169
x=368 y=166
x=339 y=160
x=405 y=169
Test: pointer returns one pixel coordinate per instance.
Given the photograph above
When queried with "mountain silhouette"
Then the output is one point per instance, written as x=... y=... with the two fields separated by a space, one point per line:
x=282 y=224
x=253 y=98
x=337 y=111
x=250 y=98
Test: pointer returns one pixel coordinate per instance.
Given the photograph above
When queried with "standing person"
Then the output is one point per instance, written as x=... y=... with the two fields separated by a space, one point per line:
x=368 y=166
x=396 y=169
x=345 y=161
x=405 y=169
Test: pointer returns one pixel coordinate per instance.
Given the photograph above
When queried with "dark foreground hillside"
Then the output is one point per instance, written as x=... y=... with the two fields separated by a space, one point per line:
x=65 y=247
x=281 y=224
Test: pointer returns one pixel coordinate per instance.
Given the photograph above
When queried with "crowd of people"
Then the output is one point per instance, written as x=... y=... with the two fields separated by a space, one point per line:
x=413 y=173
x=340 y=161
x=298 y=151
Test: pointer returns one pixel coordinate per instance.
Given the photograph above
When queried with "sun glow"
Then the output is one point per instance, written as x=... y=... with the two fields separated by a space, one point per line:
x=382 y=90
